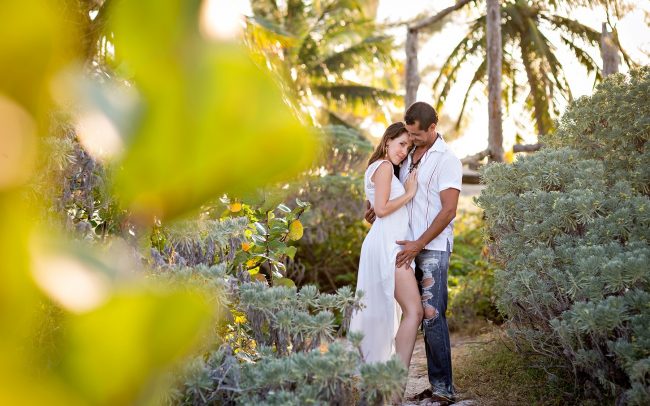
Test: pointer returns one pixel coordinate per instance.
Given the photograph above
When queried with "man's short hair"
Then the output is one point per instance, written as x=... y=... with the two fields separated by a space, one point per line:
x=423 y=113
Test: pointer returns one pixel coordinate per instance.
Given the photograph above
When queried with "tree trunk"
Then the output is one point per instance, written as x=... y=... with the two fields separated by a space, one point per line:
x=609 y=52
x=412 y=75
x=494 y=55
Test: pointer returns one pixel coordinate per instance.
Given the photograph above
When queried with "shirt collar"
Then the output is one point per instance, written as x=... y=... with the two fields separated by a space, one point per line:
x=439 y=146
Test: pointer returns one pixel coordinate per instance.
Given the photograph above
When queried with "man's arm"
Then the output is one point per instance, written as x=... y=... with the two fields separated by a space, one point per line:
x=449 y=200
x=369 y=215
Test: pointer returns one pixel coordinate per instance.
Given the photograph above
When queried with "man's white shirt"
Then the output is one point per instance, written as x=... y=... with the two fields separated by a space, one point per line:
x=439 y=169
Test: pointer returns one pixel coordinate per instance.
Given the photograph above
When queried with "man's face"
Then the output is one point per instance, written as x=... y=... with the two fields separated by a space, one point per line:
x=420 y=137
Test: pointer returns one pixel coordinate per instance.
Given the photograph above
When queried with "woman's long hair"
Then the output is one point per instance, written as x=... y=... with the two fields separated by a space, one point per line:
x=393 y=131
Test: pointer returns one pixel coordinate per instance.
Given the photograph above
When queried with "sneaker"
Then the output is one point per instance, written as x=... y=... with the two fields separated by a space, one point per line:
x=443 y=396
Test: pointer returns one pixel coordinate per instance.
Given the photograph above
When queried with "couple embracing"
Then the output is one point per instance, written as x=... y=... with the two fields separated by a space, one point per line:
x=412 y=184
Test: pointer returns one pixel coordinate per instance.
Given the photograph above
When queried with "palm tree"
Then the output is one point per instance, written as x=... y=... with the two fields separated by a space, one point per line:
x=526 y=47
x=318 y=50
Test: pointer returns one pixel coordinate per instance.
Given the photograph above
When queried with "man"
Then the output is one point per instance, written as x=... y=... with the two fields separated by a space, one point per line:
x=431 y=214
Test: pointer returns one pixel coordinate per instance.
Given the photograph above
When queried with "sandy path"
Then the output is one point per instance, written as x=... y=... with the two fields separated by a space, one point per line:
x=418 y=382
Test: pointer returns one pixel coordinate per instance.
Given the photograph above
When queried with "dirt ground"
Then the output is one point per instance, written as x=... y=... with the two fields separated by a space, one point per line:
x=418 y=382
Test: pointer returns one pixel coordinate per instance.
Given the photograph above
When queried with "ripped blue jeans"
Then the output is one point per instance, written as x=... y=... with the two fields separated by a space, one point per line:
x=431 y=273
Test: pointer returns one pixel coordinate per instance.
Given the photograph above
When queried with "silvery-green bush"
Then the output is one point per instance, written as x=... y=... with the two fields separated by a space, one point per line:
x=570 y=226
x=297 y=358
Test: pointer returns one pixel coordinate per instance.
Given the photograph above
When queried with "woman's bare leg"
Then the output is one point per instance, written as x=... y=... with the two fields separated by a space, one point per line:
x=408 y=297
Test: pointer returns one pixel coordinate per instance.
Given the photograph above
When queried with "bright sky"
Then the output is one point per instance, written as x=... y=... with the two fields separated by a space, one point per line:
x=634 y=34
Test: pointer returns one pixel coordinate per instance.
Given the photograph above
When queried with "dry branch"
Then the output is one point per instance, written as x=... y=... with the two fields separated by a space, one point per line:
x=527 y=147
x=473 y=160
x=437 y=17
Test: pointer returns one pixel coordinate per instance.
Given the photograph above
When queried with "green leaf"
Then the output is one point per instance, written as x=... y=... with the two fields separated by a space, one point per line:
x=284 y=208
x=258 y=238
x=284 y=282
x=290 y=251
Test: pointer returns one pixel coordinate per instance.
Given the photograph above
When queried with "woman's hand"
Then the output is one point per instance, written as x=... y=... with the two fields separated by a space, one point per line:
x=411 y=184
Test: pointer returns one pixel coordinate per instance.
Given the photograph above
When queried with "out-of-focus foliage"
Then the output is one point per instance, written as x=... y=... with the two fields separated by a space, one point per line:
x=570 y=225
x=319 y=52
x=471 y=274
x=238 y=131
x=180 y=119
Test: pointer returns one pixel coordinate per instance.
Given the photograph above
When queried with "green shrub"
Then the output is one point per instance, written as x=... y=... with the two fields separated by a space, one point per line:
x=332 y=243
x=570 y=226
x=471 y=274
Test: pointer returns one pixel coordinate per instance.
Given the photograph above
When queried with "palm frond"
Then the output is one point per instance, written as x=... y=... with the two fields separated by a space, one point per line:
x=543 y=49
x=295 y=19
x=509 y=88
x=537 y=100
x=573 y=27
x=451 y=76
x=267 y=9
x=583 y=57
x=269 y=25
x=353 y=92
x=334 y=119
x=471 y=44
x=479 y=74
x=369 y=48
x=628 y=60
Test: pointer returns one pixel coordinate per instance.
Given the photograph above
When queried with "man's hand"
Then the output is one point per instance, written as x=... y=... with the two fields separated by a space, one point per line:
x=370 y=213
x=409 y=252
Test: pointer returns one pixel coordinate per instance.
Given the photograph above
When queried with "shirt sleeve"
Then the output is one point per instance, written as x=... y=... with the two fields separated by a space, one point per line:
x=451 y=175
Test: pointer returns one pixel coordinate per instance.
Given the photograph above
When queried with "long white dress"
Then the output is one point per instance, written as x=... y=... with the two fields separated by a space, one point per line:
x=379 y=319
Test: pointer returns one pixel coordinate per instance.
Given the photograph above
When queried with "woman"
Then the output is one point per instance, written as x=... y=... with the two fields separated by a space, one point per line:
x=381 y=282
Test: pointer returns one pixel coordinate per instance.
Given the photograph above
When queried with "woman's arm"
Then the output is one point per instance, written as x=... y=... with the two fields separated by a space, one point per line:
x=382 y=179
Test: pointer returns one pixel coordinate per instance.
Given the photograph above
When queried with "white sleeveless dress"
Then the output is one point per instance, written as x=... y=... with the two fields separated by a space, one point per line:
x=379 y=319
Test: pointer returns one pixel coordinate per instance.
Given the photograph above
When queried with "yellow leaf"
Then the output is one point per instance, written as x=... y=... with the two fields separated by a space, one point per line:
x=295 y=230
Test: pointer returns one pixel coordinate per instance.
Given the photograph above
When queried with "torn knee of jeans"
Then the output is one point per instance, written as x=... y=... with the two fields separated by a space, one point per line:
x=430 y=312
x=427 y=282
x=430 y=262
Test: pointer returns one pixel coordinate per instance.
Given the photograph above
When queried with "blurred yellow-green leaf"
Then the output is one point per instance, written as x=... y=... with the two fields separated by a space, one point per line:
x=212 y=120
x=37 y=39
x=116 y=351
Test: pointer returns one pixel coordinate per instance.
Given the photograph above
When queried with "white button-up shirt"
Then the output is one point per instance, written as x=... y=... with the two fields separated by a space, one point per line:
x=438 y=170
